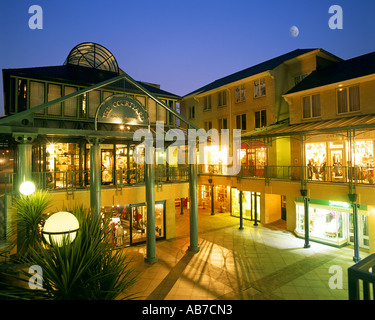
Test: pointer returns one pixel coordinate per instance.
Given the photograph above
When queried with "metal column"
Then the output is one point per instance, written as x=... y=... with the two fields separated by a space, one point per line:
x=95 y=177
x=24 y=163
x=150 y=203
x=212 y=200
x=194 y=247
x=307 y=225
x=241 y=211
x=255 y=209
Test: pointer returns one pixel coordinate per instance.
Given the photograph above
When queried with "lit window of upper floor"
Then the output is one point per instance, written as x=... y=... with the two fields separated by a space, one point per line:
x=240 y=94
x=223 y=124
x=208 y=125
x=259 y=88
x=207 y=103
x=311 y=106
x=260 y=119
x=348 y=99
x=192 y=112
x=241 y=121
x=221 y=98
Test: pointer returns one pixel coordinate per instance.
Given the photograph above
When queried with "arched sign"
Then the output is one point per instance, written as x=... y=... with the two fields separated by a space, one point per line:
x=121 y=109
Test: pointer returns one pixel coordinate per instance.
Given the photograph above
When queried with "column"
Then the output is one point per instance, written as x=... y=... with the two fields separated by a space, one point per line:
x=182 y=206
x=212 y=200
x=194 y=247
x=24 y=163
x=241 y=211
x=95 y=177
x=150 y=202
x=24 y=173
x=353 y=199
x=307 y=224
x=255 y=209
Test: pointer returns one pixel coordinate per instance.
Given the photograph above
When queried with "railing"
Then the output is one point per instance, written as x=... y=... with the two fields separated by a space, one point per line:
x=71 y=180
x=335 y=174
x=362 y=275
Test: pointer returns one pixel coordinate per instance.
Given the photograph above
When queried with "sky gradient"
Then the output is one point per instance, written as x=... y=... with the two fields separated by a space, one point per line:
x=181 y=45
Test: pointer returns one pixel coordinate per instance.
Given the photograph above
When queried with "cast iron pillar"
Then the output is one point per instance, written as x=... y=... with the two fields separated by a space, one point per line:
x=24 y=171
x=194 y=247
x=182 y=206
x=95 y=176
x=255 y=209
x=212 y=197
x=24 y=163
x=241 y=211
x=150 y=202
x=353 y=199
x=24 y=159
x=307 y=226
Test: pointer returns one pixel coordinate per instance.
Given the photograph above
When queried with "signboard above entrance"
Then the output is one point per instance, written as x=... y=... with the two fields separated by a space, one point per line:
x=122 y=109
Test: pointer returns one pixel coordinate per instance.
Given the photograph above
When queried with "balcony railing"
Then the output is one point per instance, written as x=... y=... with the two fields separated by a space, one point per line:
x=335 y=174
x=361 y=279
x=71 y=180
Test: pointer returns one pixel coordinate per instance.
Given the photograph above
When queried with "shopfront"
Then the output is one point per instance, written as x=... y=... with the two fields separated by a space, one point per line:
x=253 y=158
x=67 y=164
x=250 y=204
x=329 y=161
x=331 y=222
x=128 y=223
x=221 y=197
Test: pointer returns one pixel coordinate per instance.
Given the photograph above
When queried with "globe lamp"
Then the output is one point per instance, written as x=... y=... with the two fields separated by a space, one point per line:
x=27 y=188
x=60 y=225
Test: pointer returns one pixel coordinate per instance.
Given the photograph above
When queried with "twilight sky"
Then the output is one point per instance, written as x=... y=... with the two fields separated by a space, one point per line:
x=181 y=45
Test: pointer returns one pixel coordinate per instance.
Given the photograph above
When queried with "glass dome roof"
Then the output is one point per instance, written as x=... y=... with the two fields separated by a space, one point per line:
x=92 y=55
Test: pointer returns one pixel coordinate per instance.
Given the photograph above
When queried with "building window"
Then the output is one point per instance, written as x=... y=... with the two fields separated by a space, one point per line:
x=311 y=106
x=54 y=92
x=241 y=121
x=223 y=124
x=348 y=99
x=36 y=94
x=207 y=125
x=221 y=98
x=260 y=119
x=22 y=95
x=207 y=103
x=70 y=105
x=192 y=112
x=240 y=94
x=259 y=88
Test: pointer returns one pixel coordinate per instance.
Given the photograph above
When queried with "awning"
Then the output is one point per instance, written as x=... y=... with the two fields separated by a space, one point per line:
x=338 y=124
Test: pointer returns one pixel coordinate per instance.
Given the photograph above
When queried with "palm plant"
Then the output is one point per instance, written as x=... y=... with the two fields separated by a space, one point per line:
x=88 y=268
x=30 y=215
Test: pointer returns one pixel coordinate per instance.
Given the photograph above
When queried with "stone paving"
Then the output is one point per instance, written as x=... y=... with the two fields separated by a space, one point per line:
x=262 y=262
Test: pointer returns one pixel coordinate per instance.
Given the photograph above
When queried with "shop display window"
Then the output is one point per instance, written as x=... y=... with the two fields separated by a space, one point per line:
x=128 y=223
x=316 y=161
x=253 y=159
x=248 y=204
x=326 y=225
x=61 y=158
x=364 y=161
x=333 y=225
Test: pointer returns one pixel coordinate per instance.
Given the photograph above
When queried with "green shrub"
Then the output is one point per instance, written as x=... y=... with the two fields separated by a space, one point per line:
x=86 y=269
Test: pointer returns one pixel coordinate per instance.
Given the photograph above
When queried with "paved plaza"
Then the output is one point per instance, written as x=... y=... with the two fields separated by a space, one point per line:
x=263 y=262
